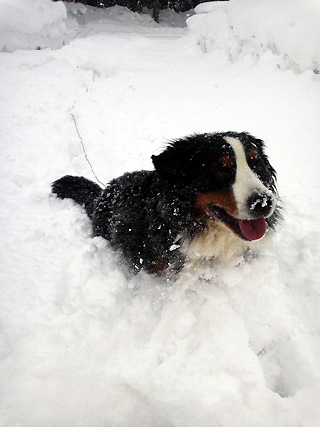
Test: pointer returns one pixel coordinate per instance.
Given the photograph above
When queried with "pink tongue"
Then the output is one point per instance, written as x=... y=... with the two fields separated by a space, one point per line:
x=253 y=229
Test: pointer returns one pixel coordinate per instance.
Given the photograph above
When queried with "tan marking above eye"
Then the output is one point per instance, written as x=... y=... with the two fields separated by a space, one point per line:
x=226 y=161
x=224 y=199
x=253 y=154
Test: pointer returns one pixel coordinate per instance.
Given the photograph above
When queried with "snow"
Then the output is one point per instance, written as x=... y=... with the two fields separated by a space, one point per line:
x=30 y=16
x=81 y=341
x=252 y=27
x=34 y=24
x=40 y=24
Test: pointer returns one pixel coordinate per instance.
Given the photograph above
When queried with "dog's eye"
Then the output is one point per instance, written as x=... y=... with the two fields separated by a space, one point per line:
x=224 y=173
x=225 y=161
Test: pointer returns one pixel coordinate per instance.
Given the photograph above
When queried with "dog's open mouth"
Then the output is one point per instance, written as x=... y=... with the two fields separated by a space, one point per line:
x=253 y=229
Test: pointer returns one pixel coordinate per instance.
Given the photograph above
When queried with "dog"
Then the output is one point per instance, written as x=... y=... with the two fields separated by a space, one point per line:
x=210 y=196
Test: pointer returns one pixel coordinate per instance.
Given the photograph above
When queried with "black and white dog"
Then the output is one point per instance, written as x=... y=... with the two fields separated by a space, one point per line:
x=210 y=196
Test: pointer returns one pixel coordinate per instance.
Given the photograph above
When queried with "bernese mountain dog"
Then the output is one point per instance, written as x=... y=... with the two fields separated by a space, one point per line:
x=210 y=195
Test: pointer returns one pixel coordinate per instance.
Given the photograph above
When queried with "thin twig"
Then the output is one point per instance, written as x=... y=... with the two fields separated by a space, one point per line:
x=84 y=151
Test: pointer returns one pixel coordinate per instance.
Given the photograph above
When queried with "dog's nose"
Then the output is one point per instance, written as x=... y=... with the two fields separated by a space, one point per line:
x=260 y=204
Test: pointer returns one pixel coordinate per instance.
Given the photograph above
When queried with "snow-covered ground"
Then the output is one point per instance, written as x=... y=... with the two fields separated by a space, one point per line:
x=39 y=24
x=83 y=344
x=290 y=30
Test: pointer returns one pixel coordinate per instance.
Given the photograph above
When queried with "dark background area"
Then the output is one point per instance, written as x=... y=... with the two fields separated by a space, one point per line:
x=155 y=5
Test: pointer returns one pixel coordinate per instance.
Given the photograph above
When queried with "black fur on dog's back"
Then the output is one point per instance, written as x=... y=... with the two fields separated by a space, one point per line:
x=132 y=214
x=142 y=215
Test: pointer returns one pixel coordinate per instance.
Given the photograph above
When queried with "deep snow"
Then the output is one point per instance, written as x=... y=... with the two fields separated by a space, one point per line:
x=290 y=30
x=81 y=342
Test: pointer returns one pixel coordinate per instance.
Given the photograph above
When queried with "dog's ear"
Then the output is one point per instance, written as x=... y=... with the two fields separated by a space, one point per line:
x=173 y=162
x=166 y=163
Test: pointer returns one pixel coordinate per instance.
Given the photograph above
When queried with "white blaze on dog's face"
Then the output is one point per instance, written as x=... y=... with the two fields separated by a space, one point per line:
x=248 y=184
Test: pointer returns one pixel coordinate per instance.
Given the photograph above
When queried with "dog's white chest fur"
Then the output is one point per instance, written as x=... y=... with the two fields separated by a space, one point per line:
x=216 y=241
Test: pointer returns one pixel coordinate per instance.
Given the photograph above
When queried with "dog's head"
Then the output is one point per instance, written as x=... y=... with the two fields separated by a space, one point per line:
x=230 y=177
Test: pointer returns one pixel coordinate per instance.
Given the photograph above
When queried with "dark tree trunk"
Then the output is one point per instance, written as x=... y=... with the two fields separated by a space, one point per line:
x=156 y=8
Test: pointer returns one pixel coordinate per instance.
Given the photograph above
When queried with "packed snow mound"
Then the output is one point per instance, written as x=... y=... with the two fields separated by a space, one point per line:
x=34 y=24
x=288 y=29
x=30 y=15
x=119 y=19
x=39 y=24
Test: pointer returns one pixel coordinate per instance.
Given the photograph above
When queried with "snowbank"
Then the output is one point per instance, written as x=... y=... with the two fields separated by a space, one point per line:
x=32 y=24
x=288 y=29
x=117 y=19
x=38 y=24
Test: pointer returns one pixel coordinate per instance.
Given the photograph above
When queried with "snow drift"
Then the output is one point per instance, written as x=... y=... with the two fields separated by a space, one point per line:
x=40 y=24
x=34 y=24
x=288 y=29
